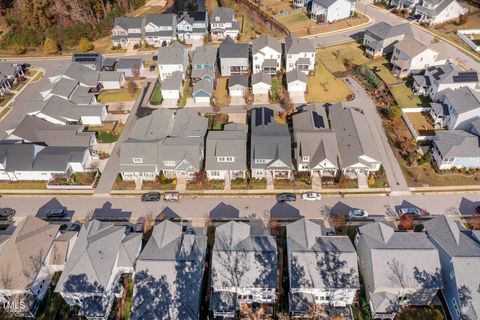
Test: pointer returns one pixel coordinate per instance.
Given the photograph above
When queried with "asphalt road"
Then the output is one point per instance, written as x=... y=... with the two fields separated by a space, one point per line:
x=238 y=207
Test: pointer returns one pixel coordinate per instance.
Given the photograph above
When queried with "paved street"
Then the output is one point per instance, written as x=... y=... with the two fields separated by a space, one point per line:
x=240 y=206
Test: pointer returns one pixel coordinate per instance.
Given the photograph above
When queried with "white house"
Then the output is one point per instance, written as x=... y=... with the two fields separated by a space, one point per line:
x=266 y=54
x=296 y=81
x=411 y=57
x=160 y=29
x=439 y=11
x=299 y=54
x=331 y=10
x=223 y=23
x=172 y=58
x=456 y=149
x=127 y=31
x=261 y=83
x=322 y=269
x=237 y=85
x=192 y=25
x=172 y=86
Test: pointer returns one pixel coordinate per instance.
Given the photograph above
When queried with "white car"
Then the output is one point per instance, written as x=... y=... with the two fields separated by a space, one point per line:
x=358 y=214
x=311 y=196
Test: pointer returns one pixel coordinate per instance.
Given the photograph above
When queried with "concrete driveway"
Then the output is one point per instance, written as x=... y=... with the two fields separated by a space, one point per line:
x=260 y=99
x=297 y=97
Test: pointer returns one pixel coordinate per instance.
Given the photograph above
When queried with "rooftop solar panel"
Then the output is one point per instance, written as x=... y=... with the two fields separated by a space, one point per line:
x=318 y=120
x=258 y=117
x=466 y=77
x=268 y=115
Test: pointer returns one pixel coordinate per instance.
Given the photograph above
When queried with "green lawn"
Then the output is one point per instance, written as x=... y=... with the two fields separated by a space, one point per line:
x=55 y=308
x=117 y=95
x=325 y=87
x=156 y=97
x=405 y=97
x=334 y=57
x=296 y=20
x=256 y=184
x=384 y=71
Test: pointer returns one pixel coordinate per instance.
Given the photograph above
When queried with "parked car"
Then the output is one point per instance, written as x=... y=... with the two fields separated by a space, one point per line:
x=56 y=213
x=75 y=227
x=152 y=67
x=171 y=196
x=151 y=196
x=357 y=214
x=311 y=196
x=7 y=213
x=412 y=211
x=283 y=197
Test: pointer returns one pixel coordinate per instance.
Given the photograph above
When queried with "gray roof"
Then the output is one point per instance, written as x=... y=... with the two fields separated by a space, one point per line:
x=204 y=55
x=129 y=63
x=383 y=30
x=174 y=82
x=229 y=49
x=94 y=256
x=266 y=41
x=128 y=22
x=89 y=58
x=312 y=255
x=64 y=110
x=295 y=75
x=261 y=77
x=457 y=143
x=270 y=140
x=31 y=157
x=168 y=278
x=238 y=80
x=225 y=15
x=36 y=130
x=64 y=87
x=465 y=254
x=353 y=135
x=298 y=45
x=82 y=74
x=162 y=20
x=241 y=259
x=203 y=85
x=463 y=99
x=193 y=18
x=203 y=73
x=399 y=259
x=475 y=129
x=110 y=76
x=231 y=141
x=410 y=46
x=440 y=6
x=312 y=136
x=173 y=54
x=324 y=3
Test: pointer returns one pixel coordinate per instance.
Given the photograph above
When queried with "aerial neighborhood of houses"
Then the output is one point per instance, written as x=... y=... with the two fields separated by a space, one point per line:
x=183 y=107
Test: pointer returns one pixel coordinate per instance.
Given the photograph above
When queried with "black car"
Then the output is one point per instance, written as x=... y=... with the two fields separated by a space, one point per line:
x=7 y=212
x=70 y=227
x=56 y=213
x=151 y=196
x=283 y=197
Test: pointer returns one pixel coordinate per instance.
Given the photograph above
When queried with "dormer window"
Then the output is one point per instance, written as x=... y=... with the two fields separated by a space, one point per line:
x=261 y=161
x=217 y=18
x=225 y=159
x=137 y=160
x=305 y=158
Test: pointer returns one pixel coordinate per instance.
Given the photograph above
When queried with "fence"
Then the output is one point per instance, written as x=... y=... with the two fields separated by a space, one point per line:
x=288 y=12
x=91 y=186
x=410 y=126
x=464 y=35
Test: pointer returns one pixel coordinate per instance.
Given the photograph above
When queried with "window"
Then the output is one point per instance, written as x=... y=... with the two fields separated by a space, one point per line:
x=225 y=159
x=455 y=306
x=452 y=274
x=215 y=173
x=137 y=160
x=261 y=161
x=169 y=163
x=305 y=158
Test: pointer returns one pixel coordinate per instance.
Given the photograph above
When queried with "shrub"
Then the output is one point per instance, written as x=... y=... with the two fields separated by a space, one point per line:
x=50 y=47
x=84 y=45
x=18 y=49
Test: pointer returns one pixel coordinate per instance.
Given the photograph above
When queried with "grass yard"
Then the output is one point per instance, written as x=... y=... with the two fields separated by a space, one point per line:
x=421 y=123
x=55 y=308
x=405 y=97
x=257 y=184
x=296 y=184
x=220 y=93
x=123 y=185
x=414 y=313
x=296 y=21
x=156 y=97
x=239 y=184
x=23 y=185
x=117 y=95
x=5 y=99
x=334 y=57
x=187 y=93
x=210 y=185
x=4 y=112
x=272 y=7
x=210 y=5
x=383 y=67
x=217 y=120
x=105 y=45
x=325 y=87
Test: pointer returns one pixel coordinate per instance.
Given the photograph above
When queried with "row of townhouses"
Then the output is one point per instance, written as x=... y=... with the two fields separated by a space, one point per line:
x=162 y=29
x=10 y=74
x=177 y=144
x=398 y=268
x=455 y=93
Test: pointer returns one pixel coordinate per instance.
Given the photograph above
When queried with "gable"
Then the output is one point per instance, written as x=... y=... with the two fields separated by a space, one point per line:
x=201 y=93
x=118 y=28
x=277 y=164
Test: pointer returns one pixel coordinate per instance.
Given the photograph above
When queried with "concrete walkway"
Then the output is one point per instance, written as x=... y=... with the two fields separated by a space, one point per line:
x=316 y=182
x=362 y=181
x=392 y=168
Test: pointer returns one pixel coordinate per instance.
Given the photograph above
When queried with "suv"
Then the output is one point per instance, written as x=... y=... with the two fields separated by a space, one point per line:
x=171 y=196
x=7 y=213
x=56 y=213
x=151 y=196
x=283 y=197
x=413 y=211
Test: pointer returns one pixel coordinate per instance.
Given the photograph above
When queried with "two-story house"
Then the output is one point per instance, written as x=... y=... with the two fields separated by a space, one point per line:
x=243 y=270
x=127 y=31
x=168 y=142
x=204 y=64
x=397 y=268
x=380 y=38
x=456 y=149
x=439 y=11
x=408 y=5
x=358 y=155
x=331 y=10
x=24 y=259
x=266 y=54
x=234 y=57
x=410 y=56
x=441 y=77
x=226 y=152
x=322 y=269
x=299 y=54
x=223 y=23
x=160 y=29
x=457 y=109
x=459 y=252
x=270 y=146
x=169 y=272
x=315 y=145
x=172 y=58
x=91 y=278
x=192 y=25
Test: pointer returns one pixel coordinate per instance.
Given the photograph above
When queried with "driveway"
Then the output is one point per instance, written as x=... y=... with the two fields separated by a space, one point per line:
x=297 y=97
x=260 y=99
x=392 y=168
